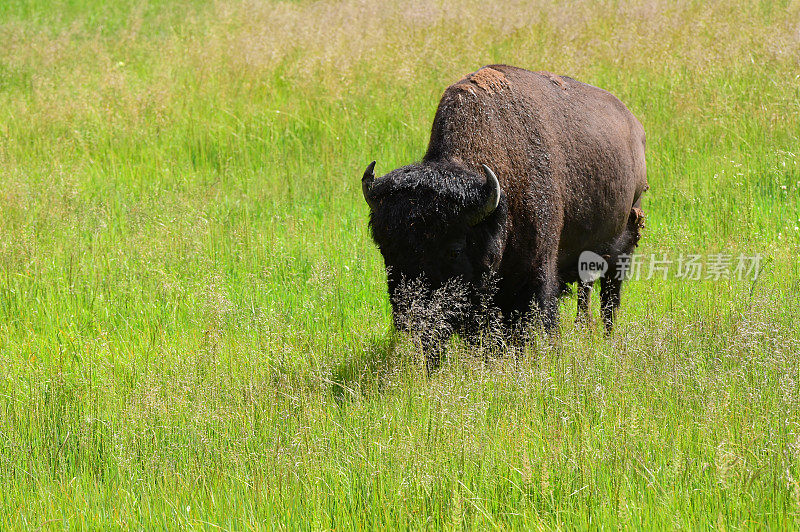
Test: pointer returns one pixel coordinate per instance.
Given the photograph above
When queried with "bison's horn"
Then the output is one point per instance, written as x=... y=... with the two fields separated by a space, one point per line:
x=367 y=181
x=492 y=196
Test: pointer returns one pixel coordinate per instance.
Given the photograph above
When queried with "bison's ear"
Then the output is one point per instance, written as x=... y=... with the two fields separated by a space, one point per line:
x=366 y=183
x=491 y=195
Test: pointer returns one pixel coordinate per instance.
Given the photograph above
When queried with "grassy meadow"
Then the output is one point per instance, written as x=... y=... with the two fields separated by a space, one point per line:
x=194 y=329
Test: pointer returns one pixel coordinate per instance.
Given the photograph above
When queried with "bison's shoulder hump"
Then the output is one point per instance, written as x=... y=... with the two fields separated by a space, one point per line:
x=487 y=80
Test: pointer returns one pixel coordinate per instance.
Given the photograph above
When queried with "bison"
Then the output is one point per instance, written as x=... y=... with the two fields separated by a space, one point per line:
x=524 y=172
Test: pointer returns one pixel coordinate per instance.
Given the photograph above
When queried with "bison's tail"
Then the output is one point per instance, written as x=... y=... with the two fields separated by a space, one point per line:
x=635 y=226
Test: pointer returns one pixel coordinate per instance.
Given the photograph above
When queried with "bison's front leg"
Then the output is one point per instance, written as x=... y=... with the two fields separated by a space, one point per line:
x=546 y=305
x=541 y=300
x=547 y=292
x=537 y=305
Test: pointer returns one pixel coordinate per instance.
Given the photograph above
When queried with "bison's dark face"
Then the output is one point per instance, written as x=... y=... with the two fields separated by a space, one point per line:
x=437 y=225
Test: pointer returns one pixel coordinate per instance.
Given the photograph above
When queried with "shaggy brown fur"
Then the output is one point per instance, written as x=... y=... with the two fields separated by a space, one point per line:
x=570 y=160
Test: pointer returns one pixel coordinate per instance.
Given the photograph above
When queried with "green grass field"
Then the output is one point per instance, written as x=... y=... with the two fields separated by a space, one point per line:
x=194 y=329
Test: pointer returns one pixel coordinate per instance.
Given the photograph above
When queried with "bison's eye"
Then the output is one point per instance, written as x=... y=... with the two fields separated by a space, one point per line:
x=454 y=247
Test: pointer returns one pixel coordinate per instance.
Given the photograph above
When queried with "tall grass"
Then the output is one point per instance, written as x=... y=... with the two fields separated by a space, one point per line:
x=194 y=330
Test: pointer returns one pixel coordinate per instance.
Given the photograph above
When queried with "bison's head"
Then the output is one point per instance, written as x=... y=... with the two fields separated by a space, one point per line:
x=436 y=224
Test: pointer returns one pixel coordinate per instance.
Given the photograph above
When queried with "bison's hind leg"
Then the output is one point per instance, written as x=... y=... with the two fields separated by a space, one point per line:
x=610 y=290
x=584 y=316
x=611 y=283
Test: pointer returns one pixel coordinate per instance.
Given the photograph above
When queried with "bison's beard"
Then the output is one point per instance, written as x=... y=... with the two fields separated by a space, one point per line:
x=432 y=316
